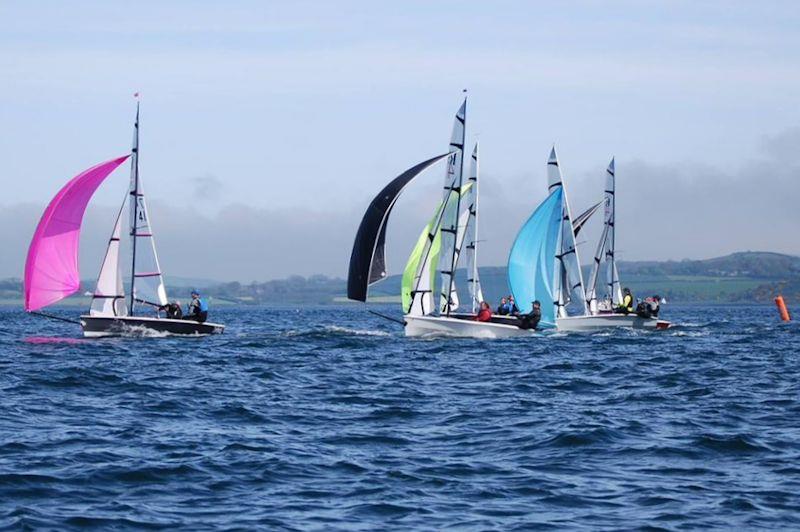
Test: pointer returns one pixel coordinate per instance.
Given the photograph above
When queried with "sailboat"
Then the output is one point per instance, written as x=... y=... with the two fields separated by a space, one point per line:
x=51 y=268
x=453 y=229
x=557 y=277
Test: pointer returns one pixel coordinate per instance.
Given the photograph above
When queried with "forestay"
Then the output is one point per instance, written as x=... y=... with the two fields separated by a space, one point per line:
x=109 y=295
x=413 y=273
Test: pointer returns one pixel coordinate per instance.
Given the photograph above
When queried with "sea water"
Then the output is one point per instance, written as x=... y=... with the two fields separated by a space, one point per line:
x=329 y=418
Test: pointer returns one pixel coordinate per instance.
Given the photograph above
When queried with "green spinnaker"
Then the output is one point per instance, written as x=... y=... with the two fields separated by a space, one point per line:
x=412 y=268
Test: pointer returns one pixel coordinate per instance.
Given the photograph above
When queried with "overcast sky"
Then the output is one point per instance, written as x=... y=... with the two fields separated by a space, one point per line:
x=267 y=127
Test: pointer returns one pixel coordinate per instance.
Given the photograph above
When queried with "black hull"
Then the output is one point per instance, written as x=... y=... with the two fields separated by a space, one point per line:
x=98 y=326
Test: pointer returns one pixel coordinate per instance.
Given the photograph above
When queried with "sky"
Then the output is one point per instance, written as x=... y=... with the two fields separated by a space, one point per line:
x=267 y=127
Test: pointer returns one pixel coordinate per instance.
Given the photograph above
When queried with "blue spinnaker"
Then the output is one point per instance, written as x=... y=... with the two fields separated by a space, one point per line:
x=531 y=264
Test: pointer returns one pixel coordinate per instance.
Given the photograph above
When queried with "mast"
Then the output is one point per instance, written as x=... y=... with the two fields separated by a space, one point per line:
x=134 y=203
x=612 y=274
x=472 y=246
x=458 y=144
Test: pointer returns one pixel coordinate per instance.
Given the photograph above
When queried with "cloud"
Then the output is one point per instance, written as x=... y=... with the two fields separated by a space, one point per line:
x=206 y=187
x=682 y=209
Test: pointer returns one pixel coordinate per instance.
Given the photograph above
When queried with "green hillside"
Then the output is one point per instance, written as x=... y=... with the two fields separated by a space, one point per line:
x=739 y=277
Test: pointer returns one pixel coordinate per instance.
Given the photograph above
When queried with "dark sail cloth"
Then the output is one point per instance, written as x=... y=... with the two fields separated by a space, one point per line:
x=172 y=310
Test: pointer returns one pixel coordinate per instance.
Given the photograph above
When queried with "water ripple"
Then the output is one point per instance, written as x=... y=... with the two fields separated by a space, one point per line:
x=328 y=418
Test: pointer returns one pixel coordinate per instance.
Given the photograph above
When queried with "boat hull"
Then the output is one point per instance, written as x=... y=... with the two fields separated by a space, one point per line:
x=608 y=321
x=100 y=326
x=437 y=325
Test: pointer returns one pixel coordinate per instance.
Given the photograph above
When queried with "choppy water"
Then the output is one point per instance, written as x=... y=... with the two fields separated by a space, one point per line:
x=328 y=418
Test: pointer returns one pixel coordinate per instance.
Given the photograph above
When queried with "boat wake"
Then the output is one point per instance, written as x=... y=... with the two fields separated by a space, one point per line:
x=337 y=330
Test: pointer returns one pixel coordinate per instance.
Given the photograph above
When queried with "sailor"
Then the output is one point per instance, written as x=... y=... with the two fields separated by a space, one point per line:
x=485 y=314
x=198 y=308
x=173 y=310
x=531 y=319
x=626 y=307
x=503 y=308
x=655 y=305
x=643 y=309
x=512 y=307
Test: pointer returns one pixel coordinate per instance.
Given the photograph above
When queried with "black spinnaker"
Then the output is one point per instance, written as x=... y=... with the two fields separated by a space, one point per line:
x=368 y=259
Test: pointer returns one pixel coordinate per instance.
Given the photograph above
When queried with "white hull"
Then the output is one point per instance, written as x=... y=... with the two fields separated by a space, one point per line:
x=435 y=325
x=608 y=321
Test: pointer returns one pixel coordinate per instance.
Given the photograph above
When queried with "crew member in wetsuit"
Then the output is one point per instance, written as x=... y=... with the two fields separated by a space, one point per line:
x=626 y=307
x=198 y=308
x=485 y=314
x=512 y=307
x=531 y=319
x=648 y=308
x=173 y=310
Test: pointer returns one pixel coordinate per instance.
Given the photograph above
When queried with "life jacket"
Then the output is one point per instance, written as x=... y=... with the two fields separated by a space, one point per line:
x=627 y=302
x=484 y=315
x=199 y=305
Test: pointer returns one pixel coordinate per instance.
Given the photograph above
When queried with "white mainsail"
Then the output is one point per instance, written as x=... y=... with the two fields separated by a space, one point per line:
x=569 y=278
x=109 y=295
x=147 y=283
x=606 y=249
x=449 y=229
x=470 y=234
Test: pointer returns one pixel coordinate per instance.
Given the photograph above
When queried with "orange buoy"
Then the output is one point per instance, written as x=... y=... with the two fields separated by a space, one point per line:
x=782 y=310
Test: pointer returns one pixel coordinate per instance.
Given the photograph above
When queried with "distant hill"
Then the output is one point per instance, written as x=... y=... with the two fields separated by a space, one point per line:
x=740 y=277
x=744 y=277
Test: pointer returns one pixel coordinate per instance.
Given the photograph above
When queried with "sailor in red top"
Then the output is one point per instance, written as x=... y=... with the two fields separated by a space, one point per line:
x=485 y=313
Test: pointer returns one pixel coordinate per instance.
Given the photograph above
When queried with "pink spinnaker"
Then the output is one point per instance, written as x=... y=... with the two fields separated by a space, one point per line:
x=51 y=269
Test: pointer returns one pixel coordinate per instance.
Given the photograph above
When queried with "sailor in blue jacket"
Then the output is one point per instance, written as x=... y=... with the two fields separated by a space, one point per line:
x=198 y=308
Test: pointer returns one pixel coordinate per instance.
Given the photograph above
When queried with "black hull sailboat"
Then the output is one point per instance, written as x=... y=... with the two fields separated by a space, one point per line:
x=100 y=326
x=51 y=270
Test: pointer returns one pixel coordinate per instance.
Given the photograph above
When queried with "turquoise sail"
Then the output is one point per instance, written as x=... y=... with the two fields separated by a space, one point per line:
x=532 y=261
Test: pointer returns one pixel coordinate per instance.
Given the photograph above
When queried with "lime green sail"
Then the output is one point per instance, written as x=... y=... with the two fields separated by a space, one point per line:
x=412 y=266
x=415 y=271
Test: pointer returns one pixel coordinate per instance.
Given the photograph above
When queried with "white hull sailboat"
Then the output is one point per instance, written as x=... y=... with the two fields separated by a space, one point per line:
x=594 y=318
x=599 y=322
x=463 y=327
x=544 y=265
x=453 y=229
x=51 y=269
